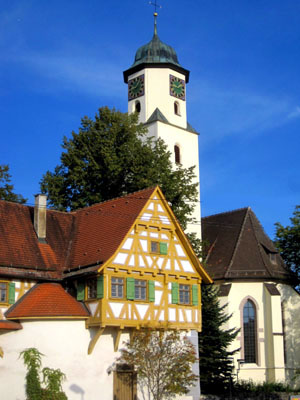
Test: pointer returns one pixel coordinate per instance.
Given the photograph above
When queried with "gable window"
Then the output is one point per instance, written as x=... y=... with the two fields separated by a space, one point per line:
x=91 y=285
x=184 y=294
x=272 y=257
x=3 y=292
x=117 y=288
x=249 y=327
x=7 y=292
x=159 y=247
x=140 y=289
x=177 y=154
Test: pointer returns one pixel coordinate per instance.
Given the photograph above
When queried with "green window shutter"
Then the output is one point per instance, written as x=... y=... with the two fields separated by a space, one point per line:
x=195 y=295
x=163 y=248
x=175 y=289
x=100 y=287
x=11 y=293
x=151 y=290
x=80 y=291
x=130 y=288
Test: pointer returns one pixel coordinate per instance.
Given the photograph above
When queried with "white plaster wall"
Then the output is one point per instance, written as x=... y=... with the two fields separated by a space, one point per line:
x=268 y=322
x=157 y=90
x=65 y=344
x=188 y=143
x=291 y=314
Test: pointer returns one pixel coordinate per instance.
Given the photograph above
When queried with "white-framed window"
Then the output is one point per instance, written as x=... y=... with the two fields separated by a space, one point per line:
x=117 y=288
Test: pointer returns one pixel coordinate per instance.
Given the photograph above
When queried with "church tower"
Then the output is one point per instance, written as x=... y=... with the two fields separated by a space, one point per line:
x=157 y=91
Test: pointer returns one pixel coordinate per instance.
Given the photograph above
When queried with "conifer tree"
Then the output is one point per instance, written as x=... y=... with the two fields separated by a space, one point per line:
x=6 y=188
x=214 y=357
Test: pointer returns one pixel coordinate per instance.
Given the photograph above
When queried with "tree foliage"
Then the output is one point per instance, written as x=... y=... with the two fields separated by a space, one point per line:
x=163 y=361
x=52 y=378
x=287 y=241
x=216 y=363
x=6 y=188
x=111 y=156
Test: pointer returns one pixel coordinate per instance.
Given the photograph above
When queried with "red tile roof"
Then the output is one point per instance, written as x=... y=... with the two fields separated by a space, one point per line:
x=239 y=248
x=86 y=237
x=47 y=300
x=9 y=325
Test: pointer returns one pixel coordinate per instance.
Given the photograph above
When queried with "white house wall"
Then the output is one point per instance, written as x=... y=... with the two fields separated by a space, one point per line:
x=64 y=344
x=89 y=377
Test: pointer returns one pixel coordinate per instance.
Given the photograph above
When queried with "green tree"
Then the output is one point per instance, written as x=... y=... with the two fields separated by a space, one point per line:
x=163 y=362
x=216 y=363
x=6 y=188
x=287 y=241
x=111 y=156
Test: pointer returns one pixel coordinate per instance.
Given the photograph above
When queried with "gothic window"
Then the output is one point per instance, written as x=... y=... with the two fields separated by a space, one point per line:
x=137 y=106
x=177 y=154
x=249 y=325
x=176 y=108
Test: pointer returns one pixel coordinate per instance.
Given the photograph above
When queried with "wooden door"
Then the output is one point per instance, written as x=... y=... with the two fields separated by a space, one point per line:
x=125 y=384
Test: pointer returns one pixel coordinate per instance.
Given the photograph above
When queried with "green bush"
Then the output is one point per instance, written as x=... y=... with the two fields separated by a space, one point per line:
x=52 y=378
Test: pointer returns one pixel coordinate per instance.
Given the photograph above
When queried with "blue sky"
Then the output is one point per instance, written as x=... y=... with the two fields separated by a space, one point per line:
x=62 y=60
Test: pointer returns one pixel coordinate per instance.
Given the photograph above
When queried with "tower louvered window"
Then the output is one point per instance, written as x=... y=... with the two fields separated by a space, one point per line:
x=249 y=325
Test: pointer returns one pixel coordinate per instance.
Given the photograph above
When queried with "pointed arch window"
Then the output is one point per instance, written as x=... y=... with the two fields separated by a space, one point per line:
x=177 y=154
x=249 y=328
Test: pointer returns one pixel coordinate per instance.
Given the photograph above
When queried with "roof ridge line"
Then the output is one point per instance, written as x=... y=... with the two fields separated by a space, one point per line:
x=114 y=198
x=238 y=241
x=259 y=244
x=228 y=212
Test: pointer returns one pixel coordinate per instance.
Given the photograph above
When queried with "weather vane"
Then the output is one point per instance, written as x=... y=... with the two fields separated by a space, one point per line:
x=155 y=5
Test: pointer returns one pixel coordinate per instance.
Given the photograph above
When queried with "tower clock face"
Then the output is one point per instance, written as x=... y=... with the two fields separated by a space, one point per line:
x=136 y=87
x=177 y=87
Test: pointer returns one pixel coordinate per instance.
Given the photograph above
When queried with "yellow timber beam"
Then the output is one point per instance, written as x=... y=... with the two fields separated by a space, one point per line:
x=94 y=340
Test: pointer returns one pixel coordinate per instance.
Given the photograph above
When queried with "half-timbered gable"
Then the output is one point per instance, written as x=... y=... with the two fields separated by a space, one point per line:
x=153 y=279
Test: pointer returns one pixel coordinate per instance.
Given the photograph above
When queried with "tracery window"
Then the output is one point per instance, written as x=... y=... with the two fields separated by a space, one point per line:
x=249 y=327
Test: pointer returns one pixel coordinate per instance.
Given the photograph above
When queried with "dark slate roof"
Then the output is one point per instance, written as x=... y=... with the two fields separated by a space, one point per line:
x=83 y=238
x=239 y=249
x=272 y=289
x=157 y=115
x=224 y=290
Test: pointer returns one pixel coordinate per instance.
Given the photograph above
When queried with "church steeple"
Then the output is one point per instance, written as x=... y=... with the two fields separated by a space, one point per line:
x=157 y=91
